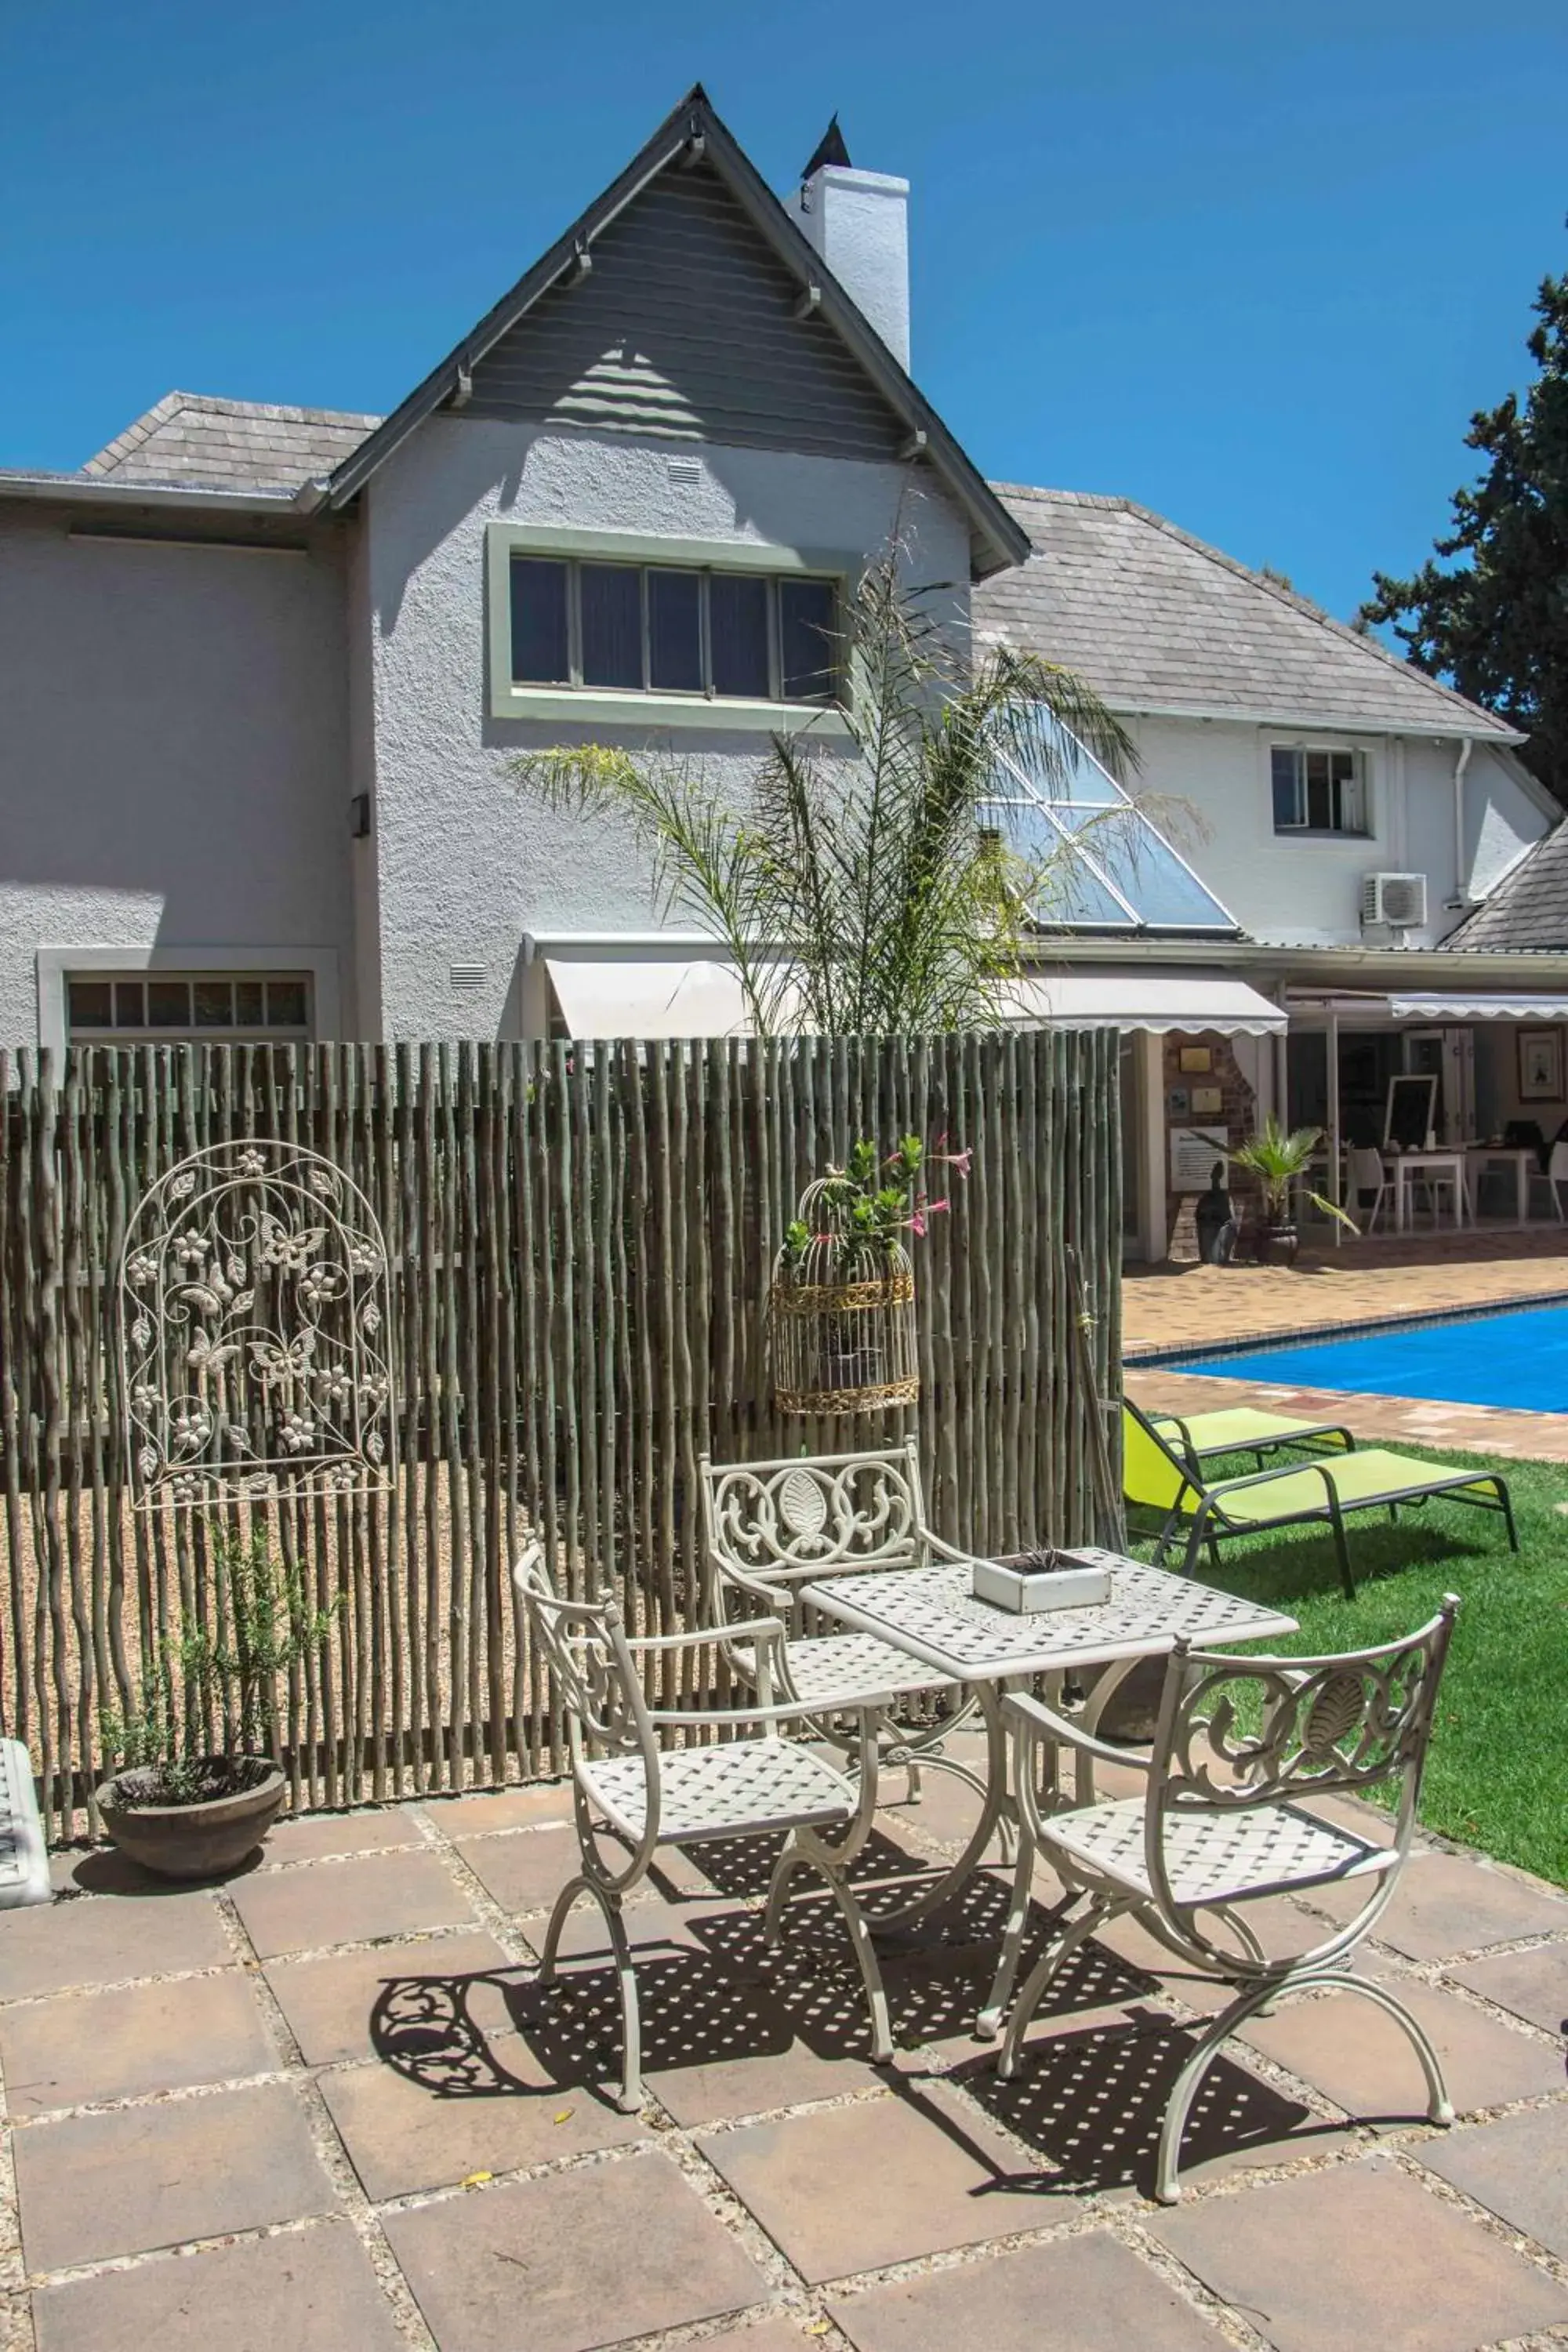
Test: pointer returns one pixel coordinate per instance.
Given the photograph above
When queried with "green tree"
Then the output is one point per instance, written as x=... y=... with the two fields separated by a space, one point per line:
x=1489 y=612
x=865 y=889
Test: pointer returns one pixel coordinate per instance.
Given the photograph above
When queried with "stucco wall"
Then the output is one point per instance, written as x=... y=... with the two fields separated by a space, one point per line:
x=173 y=754
x=465 y=864
x=1305 y=891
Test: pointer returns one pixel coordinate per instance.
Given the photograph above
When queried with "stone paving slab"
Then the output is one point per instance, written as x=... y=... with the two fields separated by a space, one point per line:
x=304 y=2290
x=1518 y=2169
x=57 y=1946
x=1359 y=2057
x=331 y=2002
x=94 y=2186
x=1532 y=1984
x=1080 y=2295
x=1448 y=1904
x=82 y=2047
x=572 y=2261
x=1361 y=2255
x=349 y=1902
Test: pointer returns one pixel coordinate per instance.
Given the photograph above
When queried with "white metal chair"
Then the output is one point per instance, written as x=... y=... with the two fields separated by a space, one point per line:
x=1217 y=1830
x=632 y=1792
x=1555 y=1175
x=770 y=1527
x=1368 y=1174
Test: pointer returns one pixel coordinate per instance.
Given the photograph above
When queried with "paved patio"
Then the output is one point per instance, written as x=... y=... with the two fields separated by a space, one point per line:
x=321 y=2107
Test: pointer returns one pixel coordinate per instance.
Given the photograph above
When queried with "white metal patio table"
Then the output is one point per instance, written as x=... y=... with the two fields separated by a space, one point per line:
x=934 y=1615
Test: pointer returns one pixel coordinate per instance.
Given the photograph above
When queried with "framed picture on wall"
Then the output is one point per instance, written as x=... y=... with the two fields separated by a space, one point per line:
x=1540 y=1065
x=1208 y=1101
x=1196 y=1059
x=1179 y=1102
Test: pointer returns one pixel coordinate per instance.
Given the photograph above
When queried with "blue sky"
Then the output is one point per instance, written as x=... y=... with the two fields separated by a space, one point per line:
x=1251 y=266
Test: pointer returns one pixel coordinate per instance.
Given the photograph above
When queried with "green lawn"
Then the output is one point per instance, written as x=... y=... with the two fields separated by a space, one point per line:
x=1497 y=1773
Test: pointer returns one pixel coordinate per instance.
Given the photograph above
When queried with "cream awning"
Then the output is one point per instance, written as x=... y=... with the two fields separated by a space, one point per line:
x=649 y=1000
x=1159 y=1001
x=1470 y=1005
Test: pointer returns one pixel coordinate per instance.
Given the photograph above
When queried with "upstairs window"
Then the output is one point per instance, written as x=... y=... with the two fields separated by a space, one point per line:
x=157 y=1007
x=1319 y=791
x=657 y=629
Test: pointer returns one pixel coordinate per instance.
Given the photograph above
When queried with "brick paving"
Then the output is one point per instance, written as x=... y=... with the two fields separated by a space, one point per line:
x=1189 y=1304
x=323 y=2106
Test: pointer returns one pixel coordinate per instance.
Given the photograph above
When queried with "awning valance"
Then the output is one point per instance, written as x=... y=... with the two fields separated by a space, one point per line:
x=649 y=1000
x=1471 y=1004
x=1160 y=1002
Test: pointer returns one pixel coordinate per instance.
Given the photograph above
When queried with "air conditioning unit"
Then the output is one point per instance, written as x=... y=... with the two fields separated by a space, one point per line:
x=1397 y=899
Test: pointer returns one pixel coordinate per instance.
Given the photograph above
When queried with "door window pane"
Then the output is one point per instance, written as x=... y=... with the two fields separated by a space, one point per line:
x=806 y=636
x=285 y=1004
x=737 y=626
x=214 y=1004
x=249 y=1004
x=129 y=1008
x=168 y=1004
x=91 y=1003
x=612 y=626
x=540 y=645
x=675 y=631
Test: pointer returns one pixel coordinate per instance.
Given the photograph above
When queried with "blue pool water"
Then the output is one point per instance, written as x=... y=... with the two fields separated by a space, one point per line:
x=1519 y=1360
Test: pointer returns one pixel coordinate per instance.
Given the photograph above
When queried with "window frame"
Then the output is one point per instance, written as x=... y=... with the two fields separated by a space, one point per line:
x=511 y=699
x=1301 y=748
x=318 y=966
x=190 y=1031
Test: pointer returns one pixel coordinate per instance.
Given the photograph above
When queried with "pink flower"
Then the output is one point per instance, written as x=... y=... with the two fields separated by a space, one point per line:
x=936 y=1208
x=961 y=1161
x=917 y=1225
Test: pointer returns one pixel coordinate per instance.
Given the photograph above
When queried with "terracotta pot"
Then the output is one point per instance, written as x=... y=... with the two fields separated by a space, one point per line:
x=199 y=1841
x=1279 y=1244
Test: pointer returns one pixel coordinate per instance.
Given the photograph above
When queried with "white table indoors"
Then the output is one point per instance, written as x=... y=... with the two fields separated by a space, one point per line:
x=1450 y=1165
x=931 y=1614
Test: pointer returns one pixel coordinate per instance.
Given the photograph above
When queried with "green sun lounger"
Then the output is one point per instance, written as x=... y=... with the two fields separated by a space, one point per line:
x=1241 y=1430
x=1156 y=1479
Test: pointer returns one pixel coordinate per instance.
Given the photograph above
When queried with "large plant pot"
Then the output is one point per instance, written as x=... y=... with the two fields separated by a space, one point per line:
x=199 y=1841
x=1279 y=1244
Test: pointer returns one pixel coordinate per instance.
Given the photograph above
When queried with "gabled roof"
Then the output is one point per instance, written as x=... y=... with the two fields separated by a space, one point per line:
x=693 y=130
x=188 y=437
x=1528 y=911
x=1160 y=622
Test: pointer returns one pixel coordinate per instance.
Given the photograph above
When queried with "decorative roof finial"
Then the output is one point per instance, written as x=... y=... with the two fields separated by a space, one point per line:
x=830 y=149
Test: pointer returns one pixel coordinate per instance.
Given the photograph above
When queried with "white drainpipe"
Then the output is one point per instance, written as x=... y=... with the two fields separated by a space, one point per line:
x=1461 y=895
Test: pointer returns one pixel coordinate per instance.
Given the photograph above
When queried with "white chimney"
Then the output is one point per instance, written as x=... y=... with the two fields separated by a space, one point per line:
x=859 y=223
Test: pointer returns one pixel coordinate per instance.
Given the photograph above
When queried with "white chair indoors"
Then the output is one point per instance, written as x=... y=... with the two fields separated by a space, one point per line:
x=629 y=1790
x=1225 y=1822
x=1555 y=1176
x=1368 y=1174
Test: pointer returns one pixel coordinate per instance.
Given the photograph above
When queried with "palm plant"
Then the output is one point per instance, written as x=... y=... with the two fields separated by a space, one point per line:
x=872 y=892
x=1277 y=1156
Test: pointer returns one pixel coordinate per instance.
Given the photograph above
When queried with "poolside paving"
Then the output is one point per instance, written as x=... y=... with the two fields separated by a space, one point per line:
x=1180 y=1306
x=375 y=2131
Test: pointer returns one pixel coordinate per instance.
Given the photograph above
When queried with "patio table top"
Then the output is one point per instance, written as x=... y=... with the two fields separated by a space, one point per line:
x=932 y=1613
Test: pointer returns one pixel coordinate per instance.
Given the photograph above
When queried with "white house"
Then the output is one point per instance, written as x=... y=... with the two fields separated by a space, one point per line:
x=262 y=668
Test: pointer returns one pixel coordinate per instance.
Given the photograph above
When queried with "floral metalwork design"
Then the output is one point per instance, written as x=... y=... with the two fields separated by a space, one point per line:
x=1242 y=1731
x=859 y=1511
x=253 y=1292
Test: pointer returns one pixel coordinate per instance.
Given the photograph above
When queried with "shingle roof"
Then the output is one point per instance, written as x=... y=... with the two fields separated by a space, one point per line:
x=233 y=444
x=1528 y=909
x=1158 y=621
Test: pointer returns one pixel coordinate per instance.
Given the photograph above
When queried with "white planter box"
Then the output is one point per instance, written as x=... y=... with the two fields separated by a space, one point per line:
x=1078 y=1584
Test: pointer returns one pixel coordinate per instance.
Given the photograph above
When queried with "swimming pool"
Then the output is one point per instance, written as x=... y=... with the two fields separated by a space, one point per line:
x=1518 y=1359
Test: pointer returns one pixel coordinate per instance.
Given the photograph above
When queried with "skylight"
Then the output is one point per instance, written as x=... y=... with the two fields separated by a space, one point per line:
x=1111 y=869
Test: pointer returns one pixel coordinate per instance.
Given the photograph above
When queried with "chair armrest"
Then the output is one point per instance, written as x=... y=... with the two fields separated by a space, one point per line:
x=745 y=1628
x=791 y=1710
x=946 y=1551
x=1032 y=1716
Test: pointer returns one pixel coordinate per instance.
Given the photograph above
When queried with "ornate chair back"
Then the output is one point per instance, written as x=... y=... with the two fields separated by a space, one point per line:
x=770 y=1526
x=1242 y=1737
x=253 y=1331
x=583 y=1644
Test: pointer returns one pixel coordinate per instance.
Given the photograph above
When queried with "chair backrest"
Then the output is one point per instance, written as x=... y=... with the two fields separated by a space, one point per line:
x=1236 y=1736
x=776 y=1524
x=1557 y=1166
x=253 y=1328
x=1153 y=1474
x=584 y=1643
x=1366 y=1171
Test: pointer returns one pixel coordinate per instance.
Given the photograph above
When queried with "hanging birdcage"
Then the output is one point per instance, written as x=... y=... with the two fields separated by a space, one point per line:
x=841 y=1313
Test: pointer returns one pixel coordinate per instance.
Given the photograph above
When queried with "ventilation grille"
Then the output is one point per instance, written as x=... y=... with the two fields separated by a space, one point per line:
x=466 y=979
x=684 y=470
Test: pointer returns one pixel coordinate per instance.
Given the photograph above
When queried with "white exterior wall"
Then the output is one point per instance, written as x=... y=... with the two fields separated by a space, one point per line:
x=1304 y=890
x=465 y=865
x=173 y=759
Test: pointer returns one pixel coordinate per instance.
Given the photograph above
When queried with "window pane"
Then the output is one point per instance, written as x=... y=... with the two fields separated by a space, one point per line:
x=91 y=1003
x=675 y=631
x=168 y=1004
x=130 y=1012
x=805 y=633
x=249 y=1004
x=1285 y=800
x=539 y=640
x=1319 y=814
x=285 y=1004
x=737 y=625
x=214 y=1004
x=612 y=626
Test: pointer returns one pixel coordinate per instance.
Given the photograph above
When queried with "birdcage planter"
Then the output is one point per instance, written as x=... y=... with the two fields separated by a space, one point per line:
x=842 y=1316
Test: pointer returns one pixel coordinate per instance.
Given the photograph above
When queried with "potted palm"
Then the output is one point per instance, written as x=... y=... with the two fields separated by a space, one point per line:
x=197 y=1787
x=1278 y=1157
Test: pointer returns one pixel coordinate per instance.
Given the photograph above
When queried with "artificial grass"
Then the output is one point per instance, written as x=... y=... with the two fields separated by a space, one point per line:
x=1497 y=1775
